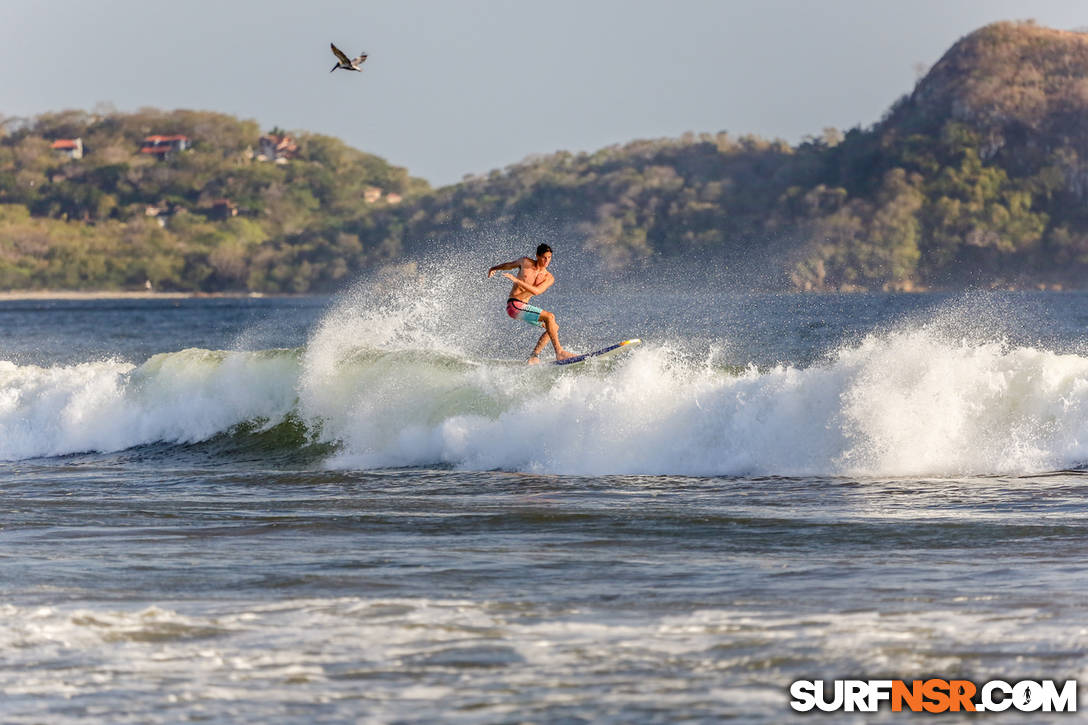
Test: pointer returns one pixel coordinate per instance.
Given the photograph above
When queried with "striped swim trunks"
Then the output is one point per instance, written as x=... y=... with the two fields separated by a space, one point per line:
x=524 y=311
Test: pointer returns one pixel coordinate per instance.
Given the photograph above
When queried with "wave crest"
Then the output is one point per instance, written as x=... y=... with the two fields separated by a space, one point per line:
x=910 y=402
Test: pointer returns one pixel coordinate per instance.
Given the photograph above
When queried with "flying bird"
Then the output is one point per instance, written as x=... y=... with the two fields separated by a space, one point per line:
x=344 y=62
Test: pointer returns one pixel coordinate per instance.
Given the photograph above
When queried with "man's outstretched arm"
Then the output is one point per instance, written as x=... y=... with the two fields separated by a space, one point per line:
x=506 y=265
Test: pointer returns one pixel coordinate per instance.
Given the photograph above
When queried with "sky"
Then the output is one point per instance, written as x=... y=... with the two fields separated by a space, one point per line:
x=460 y=87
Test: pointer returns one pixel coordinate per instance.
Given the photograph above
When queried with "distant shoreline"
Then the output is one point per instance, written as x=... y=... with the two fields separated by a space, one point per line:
x=23 y=295
x=76 y=295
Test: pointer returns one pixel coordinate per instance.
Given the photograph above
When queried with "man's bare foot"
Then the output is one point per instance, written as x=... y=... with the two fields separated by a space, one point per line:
x=534 y=360
x=563 y=355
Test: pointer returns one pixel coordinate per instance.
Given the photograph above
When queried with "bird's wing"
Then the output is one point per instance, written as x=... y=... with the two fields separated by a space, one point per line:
x=339 y=54
x=361 y=59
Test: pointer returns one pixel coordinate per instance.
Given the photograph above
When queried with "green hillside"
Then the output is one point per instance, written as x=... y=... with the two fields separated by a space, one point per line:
x=217 y=215
x=978 y=177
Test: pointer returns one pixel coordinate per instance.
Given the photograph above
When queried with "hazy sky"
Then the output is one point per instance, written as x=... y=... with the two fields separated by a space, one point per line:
x=456 y=87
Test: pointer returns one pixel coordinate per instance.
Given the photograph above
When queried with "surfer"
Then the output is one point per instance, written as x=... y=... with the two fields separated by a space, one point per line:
x=533 y=279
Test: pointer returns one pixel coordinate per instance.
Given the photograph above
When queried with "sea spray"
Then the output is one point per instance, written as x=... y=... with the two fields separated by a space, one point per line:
x=389 y=362
x=906 y=402
x=915 y=403
x=56 y=410
x=392 y=376
x=180 y=397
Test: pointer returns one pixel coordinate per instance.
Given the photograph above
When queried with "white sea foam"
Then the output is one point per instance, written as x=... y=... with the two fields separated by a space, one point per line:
x=389 y=383
x=904 y=403
x=427 y=659
x=179 y=397
x=921 y=399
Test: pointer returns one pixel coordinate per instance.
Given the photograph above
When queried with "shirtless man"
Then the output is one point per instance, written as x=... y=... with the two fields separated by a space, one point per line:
x=533 y=278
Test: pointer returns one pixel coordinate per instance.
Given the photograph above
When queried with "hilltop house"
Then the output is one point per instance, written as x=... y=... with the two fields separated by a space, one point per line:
x=161 y=211
x=277 y=148
x=373 y=194
x=69 y=147
x=162 y=147
x=220 y=209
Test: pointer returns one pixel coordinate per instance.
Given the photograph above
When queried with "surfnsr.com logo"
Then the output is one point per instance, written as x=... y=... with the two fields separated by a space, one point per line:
x=933 y=695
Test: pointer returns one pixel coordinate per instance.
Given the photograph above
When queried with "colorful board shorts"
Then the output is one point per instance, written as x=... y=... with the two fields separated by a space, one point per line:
x=524 y=311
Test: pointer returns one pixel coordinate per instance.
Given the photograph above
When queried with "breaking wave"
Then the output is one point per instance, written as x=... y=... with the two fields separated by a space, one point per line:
x=376 y=390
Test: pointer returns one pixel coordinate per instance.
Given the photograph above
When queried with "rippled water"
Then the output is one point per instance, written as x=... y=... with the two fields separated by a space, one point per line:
x=301 y=510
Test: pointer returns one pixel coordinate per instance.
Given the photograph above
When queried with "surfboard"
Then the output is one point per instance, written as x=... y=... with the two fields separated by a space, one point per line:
x=603 y=352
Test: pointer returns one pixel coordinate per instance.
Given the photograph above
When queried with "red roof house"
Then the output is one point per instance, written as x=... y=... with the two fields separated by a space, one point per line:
x=164 y=146
x=70 y=147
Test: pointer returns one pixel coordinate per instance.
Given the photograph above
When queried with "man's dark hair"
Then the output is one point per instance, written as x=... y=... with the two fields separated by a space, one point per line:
x=541 y=249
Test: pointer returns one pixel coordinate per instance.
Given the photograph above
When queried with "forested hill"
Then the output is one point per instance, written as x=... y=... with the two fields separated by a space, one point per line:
x=185 y=200
x=979 y=176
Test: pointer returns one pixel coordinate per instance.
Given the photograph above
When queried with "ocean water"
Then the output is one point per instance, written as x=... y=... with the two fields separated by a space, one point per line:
x=365 y=508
